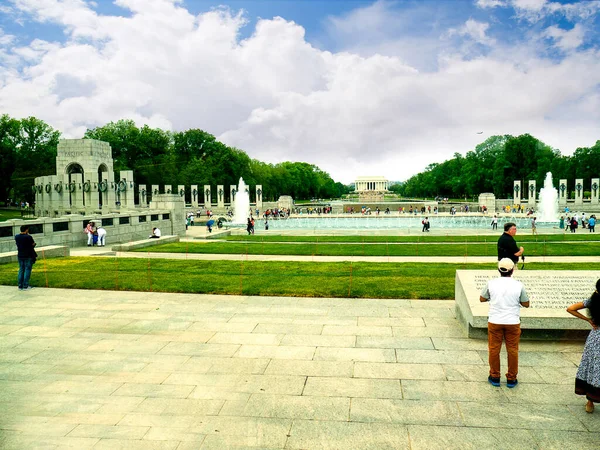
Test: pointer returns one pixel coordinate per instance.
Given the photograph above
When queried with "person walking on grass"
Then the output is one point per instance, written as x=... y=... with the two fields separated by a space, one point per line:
x=26 y=255
x=506 y=297
x=587 y=380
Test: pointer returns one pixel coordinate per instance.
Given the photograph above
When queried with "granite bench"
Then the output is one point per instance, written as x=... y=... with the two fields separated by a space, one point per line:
x=49 y=251
x=134 y=245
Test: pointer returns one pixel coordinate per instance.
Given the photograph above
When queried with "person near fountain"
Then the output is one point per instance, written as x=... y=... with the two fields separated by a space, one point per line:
x=587 y=380
x=533 y=226
x=249 y=227
x=506 y=297
x=592 y=224
x=495 y=222
x=507 y=246
x=573 y=224
x=425 y=223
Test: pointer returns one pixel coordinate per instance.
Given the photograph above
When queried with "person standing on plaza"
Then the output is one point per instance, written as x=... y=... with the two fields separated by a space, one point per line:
x=507 y=246
x=89 y=230
x=506 y=297
x=534 y=225
x=592 y=224
x=587 y=380
x=26 y=255
x=101 y=237
x=495 y=222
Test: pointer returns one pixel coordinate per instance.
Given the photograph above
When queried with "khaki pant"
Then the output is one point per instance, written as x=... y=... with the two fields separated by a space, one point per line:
x=511 y=334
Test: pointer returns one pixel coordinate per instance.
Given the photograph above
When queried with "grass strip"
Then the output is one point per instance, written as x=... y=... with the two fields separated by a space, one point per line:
x=373 y=249
x=301 y=279
x=557 y=237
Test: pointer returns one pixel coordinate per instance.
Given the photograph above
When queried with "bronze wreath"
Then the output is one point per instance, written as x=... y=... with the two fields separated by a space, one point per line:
x=71 y=187
x=87 y=186
x=102 y=186
x=48 y=188
x=181 y=192
x=58 y=187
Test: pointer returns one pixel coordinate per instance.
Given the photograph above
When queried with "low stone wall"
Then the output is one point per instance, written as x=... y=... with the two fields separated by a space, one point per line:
x=68 y=230
x=127 y=247
x=50 y=251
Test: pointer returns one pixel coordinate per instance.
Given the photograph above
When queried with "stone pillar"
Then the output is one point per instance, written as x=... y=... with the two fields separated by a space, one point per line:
x=76 y=191
x=181 y=192
x=259 y=193
x=125 y=188
x=60 y=196
x=220 y=196
x=155 y=190
x=517 y=190
x=532 y=193
x=579 y=191
x=143 y=194
x=168 y=189
x=595 y=187
x=207 y=196
x=232 y=191
x=105 y=190
x=563 y=192
x=88 y=194
x=195 y=196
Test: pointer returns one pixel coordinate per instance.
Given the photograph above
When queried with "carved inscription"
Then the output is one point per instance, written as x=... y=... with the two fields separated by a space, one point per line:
x=551 y=290
x=72 y=154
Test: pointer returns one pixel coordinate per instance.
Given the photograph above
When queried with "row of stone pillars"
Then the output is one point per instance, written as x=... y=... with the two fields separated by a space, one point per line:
x=563 y=192
x=197 y=195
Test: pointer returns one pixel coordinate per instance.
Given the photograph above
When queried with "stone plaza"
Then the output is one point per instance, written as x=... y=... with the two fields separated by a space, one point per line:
x=110 y=370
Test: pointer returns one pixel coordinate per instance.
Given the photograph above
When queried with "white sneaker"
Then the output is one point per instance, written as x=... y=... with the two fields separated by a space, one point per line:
x=28 y=288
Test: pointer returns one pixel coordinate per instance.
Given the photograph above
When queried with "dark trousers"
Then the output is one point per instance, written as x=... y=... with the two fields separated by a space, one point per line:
x=25 y=265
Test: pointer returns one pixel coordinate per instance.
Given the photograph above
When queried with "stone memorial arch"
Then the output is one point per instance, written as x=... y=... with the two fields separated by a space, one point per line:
x=84 y=180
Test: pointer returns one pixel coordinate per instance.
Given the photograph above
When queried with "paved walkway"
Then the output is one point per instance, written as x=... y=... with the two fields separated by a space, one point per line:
x=138 y=370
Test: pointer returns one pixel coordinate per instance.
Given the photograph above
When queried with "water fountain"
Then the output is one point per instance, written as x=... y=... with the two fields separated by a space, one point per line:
x=548 y=205
x=241 y=207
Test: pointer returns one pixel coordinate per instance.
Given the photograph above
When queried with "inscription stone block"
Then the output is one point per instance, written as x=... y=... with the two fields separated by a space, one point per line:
x=550 y=292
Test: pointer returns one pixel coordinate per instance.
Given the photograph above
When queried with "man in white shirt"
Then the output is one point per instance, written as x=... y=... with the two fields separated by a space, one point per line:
x=506 y=296
x=155 y=233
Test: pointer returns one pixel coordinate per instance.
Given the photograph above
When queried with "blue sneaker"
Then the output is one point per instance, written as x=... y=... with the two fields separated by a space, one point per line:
x=511 y=383
x=494 y=381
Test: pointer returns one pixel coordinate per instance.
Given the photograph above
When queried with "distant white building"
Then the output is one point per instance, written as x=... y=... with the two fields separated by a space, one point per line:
x=371 y=184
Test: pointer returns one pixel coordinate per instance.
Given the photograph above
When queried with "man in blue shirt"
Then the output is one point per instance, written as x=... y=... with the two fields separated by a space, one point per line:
x=26 y=256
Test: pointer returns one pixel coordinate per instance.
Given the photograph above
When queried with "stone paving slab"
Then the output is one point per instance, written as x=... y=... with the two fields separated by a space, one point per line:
x=106 y=370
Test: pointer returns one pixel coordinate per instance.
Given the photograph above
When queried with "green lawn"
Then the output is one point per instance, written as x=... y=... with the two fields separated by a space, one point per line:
x=301 y=279
x=550 y=248
x=9 y=214
x=425 y=238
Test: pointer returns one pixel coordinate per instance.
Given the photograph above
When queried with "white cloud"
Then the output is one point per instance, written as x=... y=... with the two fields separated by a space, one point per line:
x=279 y=98
x=565 y=39
x=491 y=3
x=474 y=30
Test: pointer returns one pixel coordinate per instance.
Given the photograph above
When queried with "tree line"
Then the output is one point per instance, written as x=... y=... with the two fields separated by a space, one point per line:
x=496 y=163
x=28 y=149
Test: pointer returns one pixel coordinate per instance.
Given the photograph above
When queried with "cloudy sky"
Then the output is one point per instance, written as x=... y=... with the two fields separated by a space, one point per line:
x=356 y=87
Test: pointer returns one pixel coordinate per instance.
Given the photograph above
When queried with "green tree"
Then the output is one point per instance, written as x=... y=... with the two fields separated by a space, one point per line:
x=9 y=138
x=36 y=155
